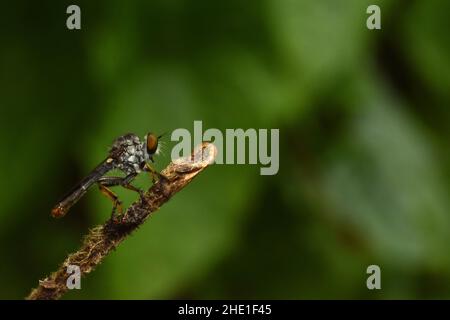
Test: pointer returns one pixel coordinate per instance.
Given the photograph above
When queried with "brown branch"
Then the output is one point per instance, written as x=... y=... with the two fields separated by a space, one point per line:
x=102 y=239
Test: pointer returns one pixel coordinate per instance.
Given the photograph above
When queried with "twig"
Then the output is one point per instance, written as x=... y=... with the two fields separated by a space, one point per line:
x=102 y=239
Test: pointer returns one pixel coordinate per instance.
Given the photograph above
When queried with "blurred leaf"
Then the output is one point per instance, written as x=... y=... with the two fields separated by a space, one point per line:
x=426 y=43
x=386 y=181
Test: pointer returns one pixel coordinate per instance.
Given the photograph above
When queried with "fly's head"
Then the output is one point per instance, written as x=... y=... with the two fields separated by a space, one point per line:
x=151 y=145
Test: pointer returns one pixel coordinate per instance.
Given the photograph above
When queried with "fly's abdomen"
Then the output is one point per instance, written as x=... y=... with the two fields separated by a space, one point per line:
x=80 y=189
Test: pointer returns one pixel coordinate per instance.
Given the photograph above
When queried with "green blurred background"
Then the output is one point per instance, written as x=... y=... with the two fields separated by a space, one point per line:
x=364 y=140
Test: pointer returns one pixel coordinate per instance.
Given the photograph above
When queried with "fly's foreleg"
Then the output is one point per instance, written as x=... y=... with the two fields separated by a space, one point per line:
x=154 y=174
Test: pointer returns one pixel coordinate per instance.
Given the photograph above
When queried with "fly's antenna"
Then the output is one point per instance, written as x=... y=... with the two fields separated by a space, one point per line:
x=163 y=135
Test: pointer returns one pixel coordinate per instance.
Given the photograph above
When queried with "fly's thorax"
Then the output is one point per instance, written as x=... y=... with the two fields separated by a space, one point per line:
x=131 y=155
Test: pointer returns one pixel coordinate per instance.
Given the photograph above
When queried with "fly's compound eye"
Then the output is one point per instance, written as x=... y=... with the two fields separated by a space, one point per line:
x=152 y=144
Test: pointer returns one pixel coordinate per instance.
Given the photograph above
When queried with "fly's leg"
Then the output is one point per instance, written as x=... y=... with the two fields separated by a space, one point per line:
x=120 y=181
x=153 y=172
x=117 y=204
x=135 y=189
x=126 y=183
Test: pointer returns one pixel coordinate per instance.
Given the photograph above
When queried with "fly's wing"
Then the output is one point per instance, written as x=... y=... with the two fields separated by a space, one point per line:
x=80 y=189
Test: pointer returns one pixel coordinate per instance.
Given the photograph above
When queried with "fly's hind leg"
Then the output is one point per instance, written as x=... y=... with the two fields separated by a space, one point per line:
x=117 y=204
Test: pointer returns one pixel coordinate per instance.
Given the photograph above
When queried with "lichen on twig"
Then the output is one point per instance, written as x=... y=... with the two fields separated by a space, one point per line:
x=101 y=240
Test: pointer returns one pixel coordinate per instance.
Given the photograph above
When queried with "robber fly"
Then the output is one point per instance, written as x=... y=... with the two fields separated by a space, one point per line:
x=128 y=154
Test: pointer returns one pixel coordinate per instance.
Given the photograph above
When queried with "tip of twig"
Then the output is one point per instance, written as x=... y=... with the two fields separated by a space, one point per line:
x=202 y=156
